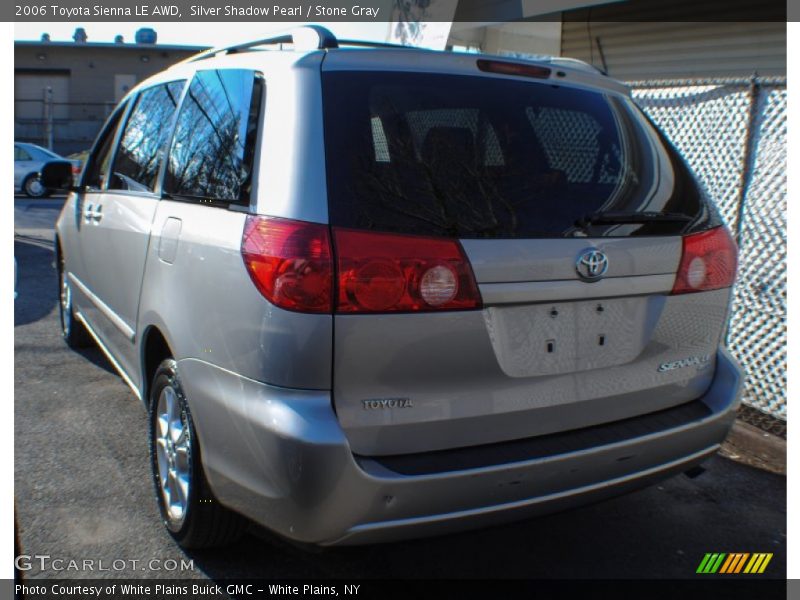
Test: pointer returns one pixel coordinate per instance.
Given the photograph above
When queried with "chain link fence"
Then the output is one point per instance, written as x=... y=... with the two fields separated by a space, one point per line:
x=733 y=134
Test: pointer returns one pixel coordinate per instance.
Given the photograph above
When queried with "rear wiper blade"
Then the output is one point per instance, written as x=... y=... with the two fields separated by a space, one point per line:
x=611 y=218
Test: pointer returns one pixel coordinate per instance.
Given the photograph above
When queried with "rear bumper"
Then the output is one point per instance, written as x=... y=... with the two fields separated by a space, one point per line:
x=279 y=457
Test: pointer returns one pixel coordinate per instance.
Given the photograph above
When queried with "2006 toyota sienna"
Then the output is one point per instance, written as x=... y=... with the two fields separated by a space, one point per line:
x=370 y=292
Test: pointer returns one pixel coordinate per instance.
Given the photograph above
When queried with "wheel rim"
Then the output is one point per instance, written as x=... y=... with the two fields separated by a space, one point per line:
x=66 y=302
x=34 y=187
x=173 y=455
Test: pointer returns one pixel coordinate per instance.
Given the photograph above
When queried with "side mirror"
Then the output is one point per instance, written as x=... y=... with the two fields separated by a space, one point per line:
x=57 y=175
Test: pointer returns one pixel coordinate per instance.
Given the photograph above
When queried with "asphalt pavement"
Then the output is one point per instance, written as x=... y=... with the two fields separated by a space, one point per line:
x=83 y=489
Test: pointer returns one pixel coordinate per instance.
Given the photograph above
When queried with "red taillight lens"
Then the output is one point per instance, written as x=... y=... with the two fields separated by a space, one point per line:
x=290 y=262
x=708 y=262
x=383 y=272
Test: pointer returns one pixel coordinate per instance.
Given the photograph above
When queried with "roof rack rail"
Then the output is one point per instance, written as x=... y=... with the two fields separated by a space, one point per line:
x=575 y=63
x=368 y=44
x=307 y=37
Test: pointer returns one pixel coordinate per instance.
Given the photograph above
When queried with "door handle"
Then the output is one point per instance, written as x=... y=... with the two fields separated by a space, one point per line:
x=93 y=213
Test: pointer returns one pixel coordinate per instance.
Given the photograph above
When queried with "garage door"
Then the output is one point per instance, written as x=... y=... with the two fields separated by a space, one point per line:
x=29 y=94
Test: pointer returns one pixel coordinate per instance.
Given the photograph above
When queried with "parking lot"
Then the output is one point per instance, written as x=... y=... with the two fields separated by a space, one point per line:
x=83 y=489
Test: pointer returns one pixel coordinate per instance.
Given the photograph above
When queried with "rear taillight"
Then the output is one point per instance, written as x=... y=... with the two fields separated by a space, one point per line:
x=290 y=262
x=383 y=272
x=708 y=262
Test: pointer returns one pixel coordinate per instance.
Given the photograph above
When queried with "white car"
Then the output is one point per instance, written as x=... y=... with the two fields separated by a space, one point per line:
x=28 y=162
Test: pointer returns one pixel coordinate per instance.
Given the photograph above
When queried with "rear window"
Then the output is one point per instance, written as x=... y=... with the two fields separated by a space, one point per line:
x=472 y=157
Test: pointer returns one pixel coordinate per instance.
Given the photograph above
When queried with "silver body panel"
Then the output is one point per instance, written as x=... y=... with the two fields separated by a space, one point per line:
x=118 y=235
x=481 y=377
x=280 y=457
x=281 y=400
x=216 y=314
x=508 y=261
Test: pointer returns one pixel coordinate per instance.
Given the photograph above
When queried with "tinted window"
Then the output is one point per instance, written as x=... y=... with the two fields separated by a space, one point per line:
x=137 y=161
x=46 y=153
x=212 y=150
x=21 y=154
x=99 y=160
x=487 y=157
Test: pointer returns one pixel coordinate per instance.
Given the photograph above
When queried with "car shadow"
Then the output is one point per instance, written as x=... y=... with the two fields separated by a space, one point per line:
x=36 y=281
x=37 y=292
x=95 y=356
x=514 y=552
x=662 y=530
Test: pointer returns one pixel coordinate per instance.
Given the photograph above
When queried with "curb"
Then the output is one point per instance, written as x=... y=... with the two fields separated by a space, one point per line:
x=752 y=446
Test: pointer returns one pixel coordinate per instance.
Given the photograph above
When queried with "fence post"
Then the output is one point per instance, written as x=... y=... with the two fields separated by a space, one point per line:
x=752 y=136
x=47 y=108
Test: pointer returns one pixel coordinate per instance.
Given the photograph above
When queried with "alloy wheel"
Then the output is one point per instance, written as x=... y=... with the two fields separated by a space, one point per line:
x=173 y=455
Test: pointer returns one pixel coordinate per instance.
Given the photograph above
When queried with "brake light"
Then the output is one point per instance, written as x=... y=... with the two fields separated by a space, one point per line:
x=383 y=272
x=510 y=68
x=289 y=262
x=708 y=262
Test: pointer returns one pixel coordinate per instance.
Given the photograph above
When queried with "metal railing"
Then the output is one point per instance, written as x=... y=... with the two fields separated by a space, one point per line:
x=65 y=127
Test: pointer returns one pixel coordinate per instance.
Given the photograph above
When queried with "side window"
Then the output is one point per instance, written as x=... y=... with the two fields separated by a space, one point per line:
x=138 y=157
x=96 y=171
x=211 y=159
x=21 y=154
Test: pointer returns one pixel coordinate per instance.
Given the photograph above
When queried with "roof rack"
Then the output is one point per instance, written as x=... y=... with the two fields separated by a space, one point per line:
x=575 y=63
x=368 y=44
x=308 y=37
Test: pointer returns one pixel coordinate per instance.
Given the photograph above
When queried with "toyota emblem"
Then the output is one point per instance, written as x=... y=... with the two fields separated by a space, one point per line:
x=591 y=264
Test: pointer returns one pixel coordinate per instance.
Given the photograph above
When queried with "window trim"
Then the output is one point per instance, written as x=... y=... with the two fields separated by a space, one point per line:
x=123 y=110
x=260 y=80
x=162 y=169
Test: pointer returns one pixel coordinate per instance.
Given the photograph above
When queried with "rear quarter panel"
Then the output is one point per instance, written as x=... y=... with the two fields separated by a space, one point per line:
x=209 y=309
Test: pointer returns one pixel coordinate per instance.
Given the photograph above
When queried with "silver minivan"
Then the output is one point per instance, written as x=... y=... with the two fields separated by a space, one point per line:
x=369 y=293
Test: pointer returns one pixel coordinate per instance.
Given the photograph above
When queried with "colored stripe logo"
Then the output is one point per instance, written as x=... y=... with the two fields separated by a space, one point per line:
x=734 y=563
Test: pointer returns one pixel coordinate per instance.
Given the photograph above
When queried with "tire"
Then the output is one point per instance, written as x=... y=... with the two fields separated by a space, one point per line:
x=72 y=330
x=188 y=508
x=33 y=188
